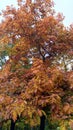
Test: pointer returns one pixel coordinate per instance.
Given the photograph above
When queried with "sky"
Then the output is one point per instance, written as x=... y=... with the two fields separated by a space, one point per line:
x=63 y=6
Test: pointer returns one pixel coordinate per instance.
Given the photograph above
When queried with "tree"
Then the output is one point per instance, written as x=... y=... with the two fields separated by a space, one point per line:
x=32 y=84
x=31 y=95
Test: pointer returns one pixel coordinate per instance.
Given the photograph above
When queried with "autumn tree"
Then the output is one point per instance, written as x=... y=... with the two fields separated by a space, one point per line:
x=32 y=84
x=34 y=23
x=40 y=91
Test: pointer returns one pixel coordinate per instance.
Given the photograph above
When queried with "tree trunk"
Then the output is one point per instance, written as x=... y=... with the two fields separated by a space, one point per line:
x=0 y=128
x=12 y=125
x=42 y=122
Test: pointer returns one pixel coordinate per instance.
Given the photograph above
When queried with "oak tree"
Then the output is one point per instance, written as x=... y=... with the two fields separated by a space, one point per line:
x=32 y=83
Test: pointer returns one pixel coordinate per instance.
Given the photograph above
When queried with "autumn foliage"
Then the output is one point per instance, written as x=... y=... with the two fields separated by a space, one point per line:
x=36 y=79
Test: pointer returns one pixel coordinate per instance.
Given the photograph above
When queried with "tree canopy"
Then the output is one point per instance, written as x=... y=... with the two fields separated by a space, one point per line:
x=35 y=80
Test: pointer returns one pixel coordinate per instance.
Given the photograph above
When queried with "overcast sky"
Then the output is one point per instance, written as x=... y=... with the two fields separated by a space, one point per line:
x=63 y=6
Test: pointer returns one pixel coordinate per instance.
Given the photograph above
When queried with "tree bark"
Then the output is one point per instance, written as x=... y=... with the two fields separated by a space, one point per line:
x=12 y=125
x=42 y=122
